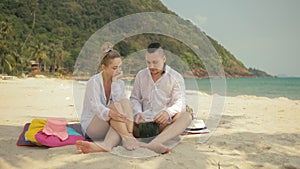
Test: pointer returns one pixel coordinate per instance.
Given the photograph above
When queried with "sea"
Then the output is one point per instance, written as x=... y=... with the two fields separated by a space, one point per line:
x=263 y=87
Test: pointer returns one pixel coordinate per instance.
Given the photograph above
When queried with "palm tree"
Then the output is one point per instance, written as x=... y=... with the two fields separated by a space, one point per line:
x=39 y=54
x=44 y=59
x=4 y=61
x=56 y=55
x=19 y=64
x=5 y=33
x=5 y=30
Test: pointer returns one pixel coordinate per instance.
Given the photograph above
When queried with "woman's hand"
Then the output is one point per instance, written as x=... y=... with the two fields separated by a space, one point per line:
x=116 y=116
x=162 y=117
x=139 y=118
x=117 y=75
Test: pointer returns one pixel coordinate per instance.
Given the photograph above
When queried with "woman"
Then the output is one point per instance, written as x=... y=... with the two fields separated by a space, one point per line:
x=107 y=113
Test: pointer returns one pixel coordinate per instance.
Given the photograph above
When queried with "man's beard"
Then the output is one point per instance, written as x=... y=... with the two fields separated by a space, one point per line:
x=156 y=73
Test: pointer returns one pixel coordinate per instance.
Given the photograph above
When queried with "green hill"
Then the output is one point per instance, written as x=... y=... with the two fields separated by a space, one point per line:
x=258 y=73
x=50 y=34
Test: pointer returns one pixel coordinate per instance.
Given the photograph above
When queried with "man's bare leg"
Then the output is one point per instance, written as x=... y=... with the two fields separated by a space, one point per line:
x=171 y=131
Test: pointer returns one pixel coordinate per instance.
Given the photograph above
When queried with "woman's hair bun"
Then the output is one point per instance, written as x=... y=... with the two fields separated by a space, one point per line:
x=106 y=47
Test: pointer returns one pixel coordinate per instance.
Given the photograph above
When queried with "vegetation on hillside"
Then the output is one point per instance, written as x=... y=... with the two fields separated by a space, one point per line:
x=47 y=36
x=258 y=73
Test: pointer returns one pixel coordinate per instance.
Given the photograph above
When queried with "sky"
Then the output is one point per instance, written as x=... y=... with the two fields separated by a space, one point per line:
x=263 y=34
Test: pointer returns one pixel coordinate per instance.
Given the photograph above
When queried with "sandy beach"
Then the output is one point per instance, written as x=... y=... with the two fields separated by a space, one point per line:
x=254 y=132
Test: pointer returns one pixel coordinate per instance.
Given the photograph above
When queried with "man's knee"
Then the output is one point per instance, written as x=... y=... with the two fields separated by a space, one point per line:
x=187 y=117
x=183 y=115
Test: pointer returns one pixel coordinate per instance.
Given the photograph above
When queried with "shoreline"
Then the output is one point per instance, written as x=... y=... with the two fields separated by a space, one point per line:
x=11 y=79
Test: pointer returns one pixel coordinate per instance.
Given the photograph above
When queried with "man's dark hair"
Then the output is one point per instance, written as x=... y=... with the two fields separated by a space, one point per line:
x=153 y=47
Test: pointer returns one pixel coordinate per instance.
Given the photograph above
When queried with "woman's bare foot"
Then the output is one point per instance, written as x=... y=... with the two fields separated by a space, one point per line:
x=130 y=143
x=157 y=147
x=89 y=147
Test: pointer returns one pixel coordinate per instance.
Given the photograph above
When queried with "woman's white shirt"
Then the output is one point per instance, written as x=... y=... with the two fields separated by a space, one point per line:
x=95 y=102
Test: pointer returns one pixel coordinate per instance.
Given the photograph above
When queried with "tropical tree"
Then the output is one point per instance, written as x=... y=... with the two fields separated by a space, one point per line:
x=20 y=61
x=39 y=54
x=56 y=54
x=5 y=30
x=4 y=61
x=44 y=60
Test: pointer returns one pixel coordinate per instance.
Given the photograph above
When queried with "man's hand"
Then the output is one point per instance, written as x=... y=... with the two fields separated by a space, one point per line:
x=116 y=116
x=139 y=118
x=162 y=117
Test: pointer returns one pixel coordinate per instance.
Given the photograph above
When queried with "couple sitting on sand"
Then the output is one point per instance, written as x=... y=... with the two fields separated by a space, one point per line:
x=158 y=96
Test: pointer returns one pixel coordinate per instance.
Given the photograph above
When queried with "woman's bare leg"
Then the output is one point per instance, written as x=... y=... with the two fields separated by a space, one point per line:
x=99 y=129
x=88 y=147
x=125 y=129
x=112 y=137
x=127 y=110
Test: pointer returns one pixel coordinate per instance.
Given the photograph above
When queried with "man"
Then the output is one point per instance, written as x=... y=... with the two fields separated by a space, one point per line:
x=159 y=95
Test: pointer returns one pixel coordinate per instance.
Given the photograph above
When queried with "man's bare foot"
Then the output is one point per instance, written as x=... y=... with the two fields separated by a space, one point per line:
x=157 y=147
x=89 y=147
x=130 y=143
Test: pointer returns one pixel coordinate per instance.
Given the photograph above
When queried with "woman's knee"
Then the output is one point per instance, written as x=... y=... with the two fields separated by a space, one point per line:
x=97 y=128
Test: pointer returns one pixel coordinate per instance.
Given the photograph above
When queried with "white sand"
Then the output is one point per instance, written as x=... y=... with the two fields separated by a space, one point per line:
x=254 y=132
